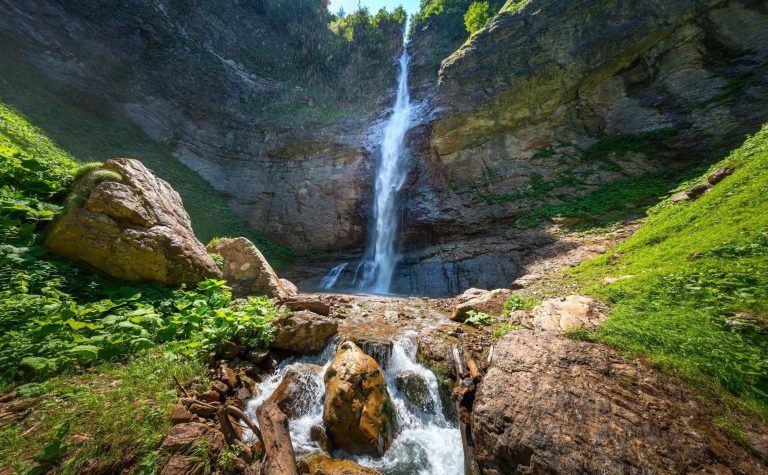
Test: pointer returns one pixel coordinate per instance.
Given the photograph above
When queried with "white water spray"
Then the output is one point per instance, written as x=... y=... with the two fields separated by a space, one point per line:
x=390 y=177
x=333 y=276
x=381 y=256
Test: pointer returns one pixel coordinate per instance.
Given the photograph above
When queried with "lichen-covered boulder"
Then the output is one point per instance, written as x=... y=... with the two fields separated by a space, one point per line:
x=303 y=331
x=567 y=313
x=296 y=393
x=246 y=270
x=357 y=413
x=131 y=225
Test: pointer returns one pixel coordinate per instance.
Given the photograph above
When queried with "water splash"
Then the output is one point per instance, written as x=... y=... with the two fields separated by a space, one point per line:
x=333 y=276
x=426 y=442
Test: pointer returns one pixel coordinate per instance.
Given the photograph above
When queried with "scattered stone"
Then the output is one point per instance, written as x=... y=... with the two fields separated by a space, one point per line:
x=303 y=331
x=718 y=175
x=257 y=357
x=613 y=280
x=135 y=230
x=210 y=396
x=356 y=400
x=180 y=414
x=550 y=404
x=184 y=465
x=227 y=375
x=318 y=435
x=691 y=193
x=415 y=390
x=574 y=311
x=319 y=464
x=203 y=410
x=220 y=387
x=292 y=394
x=491 y=303
x=246 y=270
x=182 y=436
x=228 y=350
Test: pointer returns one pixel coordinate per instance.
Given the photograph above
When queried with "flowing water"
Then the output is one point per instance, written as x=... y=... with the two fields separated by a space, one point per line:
x=425 y=443
x=333 y=276
x=381 y=255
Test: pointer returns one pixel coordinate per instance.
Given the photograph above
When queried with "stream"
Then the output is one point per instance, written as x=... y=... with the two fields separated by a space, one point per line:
x=425 y=443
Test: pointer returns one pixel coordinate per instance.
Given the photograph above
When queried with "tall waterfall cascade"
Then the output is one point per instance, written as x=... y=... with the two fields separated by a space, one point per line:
x=375 y=273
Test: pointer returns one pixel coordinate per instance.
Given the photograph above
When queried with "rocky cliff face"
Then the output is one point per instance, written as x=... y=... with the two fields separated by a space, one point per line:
x=237 y=92
x=559 y=100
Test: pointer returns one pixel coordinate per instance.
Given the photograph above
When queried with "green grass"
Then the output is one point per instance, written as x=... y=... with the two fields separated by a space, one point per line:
x=122 y=410
x=696 y=266
x=88 y=129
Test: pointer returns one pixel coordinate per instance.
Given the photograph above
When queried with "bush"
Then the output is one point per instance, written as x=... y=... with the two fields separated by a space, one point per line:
x=476 y=17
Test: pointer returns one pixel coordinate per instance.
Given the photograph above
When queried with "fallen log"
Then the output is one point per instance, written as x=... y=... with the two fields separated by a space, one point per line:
x=280 y=458
x=461 y=371
x=474 y=371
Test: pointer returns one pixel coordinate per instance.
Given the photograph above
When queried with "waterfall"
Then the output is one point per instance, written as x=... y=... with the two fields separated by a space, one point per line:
x=426 y=443
x=333 y=276
x=381 y=255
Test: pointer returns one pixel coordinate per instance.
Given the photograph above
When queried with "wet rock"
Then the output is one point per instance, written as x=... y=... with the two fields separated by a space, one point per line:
x=319 y=464
x=550 y=404
x=303 y=331
x=318 y=435
x=491 y=302
x=257 y=357
x=184 y=465
x=246 y=270
x=182 y=436
x=180 y=414
x=357 y=413
x=228 y=350
x=567 y=313
x=294 y=394
x=136 y=229
x=415 y=389
x=718 y=175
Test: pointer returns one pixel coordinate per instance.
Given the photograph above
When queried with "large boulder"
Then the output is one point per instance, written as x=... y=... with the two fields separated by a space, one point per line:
x=567 y=313
x=490 y=302
x=246 y=270
x=552 y=405
x=357 y=413
x=415 y=389
x=303 y=331
x=182 y=437
x=319 y=464
x=300 y=388
x=127 y=223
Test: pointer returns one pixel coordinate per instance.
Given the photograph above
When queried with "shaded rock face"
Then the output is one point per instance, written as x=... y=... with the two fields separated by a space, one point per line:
x=553 y=405
x=246 y=270
x=357 y=412
x=303 y=331
x=415 y=390
x=135 y=230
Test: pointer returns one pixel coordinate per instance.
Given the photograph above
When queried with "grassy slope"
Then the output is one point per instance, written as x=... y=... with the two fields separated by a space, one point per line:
x=696 y=265
x=89 y=129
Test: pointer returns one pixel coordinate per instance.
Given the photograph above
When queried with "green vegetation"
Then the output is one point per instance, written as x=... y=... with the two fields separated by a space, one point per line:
x=520 y=302
x=88 y=129
x=476 y=17
x=479 y=319
x=697 y=304
x=502 y=330
x=619 y=145
x=102 y=420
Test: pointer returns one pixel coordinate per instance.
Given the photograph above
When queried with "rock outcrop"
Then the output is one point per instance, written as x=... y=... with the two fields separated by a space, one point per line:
x=303 y=331
x=357 y=412
x=246 y=270
x=567 y=313
x=553 y=405
x=415 y=390
x=134 y=229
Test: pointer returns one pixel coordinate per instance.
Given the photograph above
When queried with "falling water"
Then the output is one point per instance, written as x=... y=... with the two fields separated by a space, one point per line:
x=381 y=255
x=426 y=443
x=333 y=276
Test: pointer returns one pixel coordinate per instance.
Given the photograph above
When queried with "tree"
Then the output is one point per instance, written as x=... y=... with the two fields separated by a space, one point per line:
x=476 y=17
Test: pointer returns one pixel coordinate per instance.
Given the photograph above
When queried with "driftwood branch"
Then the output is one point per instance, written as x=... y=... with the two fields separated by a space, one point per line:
x=236 y=412
x=461 y=371
x=181 y=388
x=474 y=371
x=280 y=458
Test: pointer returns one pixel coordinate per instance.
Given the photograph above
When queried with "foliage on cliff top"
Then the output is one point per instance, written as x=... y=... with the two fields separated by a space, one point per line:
x=697 y=303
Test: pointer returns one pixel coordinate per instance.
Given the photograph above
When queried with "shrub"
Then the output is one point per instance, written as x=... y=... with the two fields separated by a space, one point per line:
x=479 y=319
x=518 y=302
x=476 y=17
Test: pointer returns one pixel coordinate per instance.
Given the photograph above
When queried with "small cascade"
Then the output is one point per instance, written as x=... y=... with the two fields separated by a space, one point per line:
x=330 y=280
x=426 y=443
